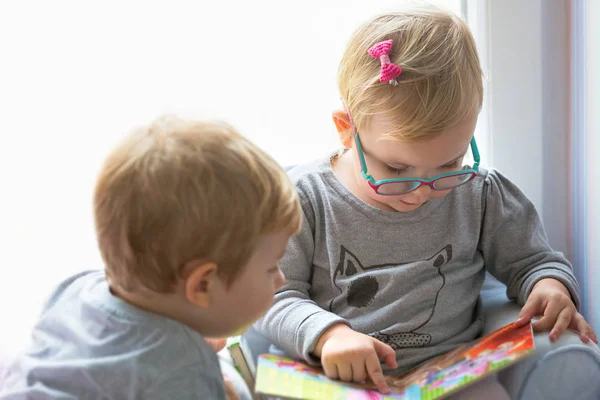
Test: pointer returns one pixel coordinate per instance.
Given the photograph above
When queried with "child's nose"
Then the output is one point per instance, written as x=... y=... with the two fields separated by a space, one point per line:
x=421 y=195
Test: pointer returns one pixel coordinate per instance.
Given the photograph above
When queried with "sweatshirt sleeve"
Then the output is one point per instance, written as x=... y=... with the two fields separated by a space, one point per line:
x=514 y=244
x=295 y=322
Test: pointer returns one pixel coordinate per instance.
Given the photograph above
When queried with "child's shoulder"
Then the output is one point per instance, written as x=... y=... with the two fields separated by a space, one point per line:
x=109 y=338
x=72 y=284
x=490 y=175
x=312 y=177
x=494 y=181
x=305 y=171
x=493 y=187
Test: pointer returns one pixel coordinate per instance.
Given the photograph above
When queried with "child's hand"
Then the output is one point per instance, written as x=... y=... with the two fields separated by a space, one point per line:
x=353 y=357
x=552 y=300
x=230 y=392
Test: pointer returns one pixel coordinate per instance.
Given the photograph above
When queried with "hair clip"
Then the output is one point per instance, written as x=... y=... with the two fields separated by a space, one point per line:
x=389 y=70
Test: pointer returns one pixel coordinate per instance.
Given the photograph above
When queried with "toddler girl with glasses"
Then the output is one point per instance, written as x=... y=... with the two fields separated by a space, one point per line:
x=400 y=227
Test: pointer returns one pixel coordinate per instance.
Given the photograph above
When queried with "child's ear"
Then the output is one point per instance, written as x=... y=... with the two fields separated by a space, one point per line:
x=343 y=127
x=201 y=284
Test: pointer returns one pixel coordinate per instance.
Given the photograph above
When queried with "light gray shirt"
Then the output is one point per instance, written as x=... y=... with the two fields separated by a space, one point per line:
x=89 y=344
x=411 y=280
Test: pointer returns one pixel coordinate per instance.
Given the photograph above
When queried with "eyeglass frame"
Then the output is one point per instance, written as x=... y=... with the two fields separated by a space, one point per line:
x=375 y=185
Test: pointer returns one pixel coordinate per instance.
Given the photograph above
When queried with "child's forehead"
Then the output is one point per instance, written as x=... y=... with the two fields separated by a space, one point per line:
x=430 y=152
x=272 y=245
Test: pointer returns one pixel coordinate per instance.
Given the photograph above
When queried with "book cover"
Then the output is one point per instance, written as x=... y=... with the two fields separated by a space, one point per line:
x=242 y=361
x=434 y=379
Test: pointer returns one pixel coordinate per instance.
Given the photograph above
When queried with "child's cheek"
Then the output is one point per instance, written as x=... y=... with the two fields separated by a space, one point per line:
x=241 y=330
x=436 y=194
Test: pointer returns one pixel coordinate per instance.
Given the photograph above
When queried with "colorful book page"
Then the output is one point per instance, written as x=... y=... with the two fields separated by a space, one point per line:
x=434 y=379
x=284 y=377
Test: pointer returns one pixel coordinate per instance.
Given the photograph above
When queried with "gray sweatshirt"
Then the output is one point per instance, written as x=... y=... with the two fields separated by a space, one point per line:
x=411 y=280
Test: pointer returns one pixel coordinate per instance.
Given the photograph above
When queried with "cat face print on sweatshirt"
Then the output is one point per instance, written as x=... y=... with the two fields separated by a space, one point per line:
x=365 y=289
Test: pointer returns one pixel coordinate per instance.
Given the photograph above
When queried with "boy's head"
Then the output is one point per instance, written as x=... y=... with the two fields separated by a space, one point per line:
x=195 y=210
x=439 y=94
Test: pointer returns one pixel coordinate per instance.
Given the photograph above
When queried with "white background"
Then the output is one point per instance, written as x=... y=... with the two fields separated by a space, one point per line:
x=77 y=75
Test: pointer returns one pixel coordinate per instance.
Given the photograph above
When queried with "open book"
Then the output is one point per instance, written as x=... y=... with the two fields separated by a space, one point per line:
x=434 y=379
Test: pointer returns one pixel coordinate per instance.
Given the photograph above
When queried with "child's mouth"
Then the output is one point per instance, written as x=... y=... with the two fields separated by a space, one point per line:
x=409 y=204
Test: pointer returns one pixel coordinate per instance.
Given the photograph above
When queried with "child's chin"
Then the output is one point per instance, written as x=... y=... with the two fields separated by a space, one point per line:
x=401 y=206
x=240 y=331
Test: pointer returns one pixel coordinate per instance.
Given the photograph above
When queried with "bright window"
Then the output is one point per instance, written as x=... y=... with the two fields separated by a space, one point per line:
x=75 y=76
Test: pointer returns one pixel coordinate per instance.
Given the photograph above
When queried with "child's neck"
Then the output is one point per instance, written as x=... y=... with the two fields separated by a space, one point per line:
x=170 y=305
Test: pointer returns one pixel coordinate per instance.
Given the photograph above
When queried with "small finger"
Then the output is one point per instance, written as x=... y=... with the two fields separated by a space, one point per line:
x=584 y=338
x=331 y=370
x=585 y=330
x=592 y=335
x=345 y=371
x=549 y=318
x=562 y=323
x=373 y=367
x=529 y=310
x=582 y=327
x=359 y=371
x=385 y=353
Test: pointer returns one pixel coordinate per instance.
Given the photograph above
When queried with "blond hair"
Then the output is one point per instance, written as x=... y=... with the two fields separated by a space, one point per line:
x=177 y=191
x=441 y=83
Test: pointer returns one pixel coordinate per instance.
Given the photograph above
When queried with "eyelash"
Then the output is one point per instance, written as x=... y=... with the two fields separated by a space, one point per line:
x=396 y=171
x=273 y=269
x=399 y=171
x=454 y=164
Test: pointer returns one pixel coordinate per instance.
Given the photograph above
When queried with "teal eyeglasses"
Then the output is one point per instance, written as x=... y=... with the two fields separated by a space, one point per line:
x=396 y=186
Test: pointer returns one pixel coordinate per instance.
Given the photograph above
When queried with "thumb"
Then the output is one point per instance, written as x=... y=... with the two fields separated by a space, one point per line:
x=385 y=353
x=529 y=310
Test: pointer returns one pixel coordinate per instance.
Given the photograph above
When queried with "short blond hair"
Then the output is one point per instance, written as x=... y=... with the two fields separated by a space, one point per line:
x=177 y=191
x=441 y=83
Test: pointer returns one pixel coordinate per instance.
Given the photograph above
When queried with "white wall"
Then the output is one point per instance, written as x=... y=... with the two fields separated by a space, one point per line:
x=516 y=92
x=76 y=75
x=529 y=100
x=556 y=84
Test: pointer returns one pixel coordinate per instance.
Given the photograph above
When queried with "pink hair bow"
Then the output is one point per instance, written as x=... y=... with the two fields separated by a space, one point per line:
x=389 y=71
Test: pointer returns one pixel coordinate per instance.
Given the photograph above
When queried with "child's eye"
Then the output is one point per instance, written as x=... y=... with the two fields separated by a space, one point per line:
x=395 y=170
x=454 y=164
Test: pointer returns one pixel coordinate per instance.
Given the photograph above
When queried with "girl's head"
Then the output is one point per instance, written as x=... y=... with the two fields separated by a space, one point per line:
x=422 y=126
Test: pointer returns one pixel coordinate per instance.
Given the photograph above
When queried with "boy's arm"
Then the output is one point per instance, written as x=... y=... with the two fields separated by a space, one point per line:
x=295 y=322
x=514 y=244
